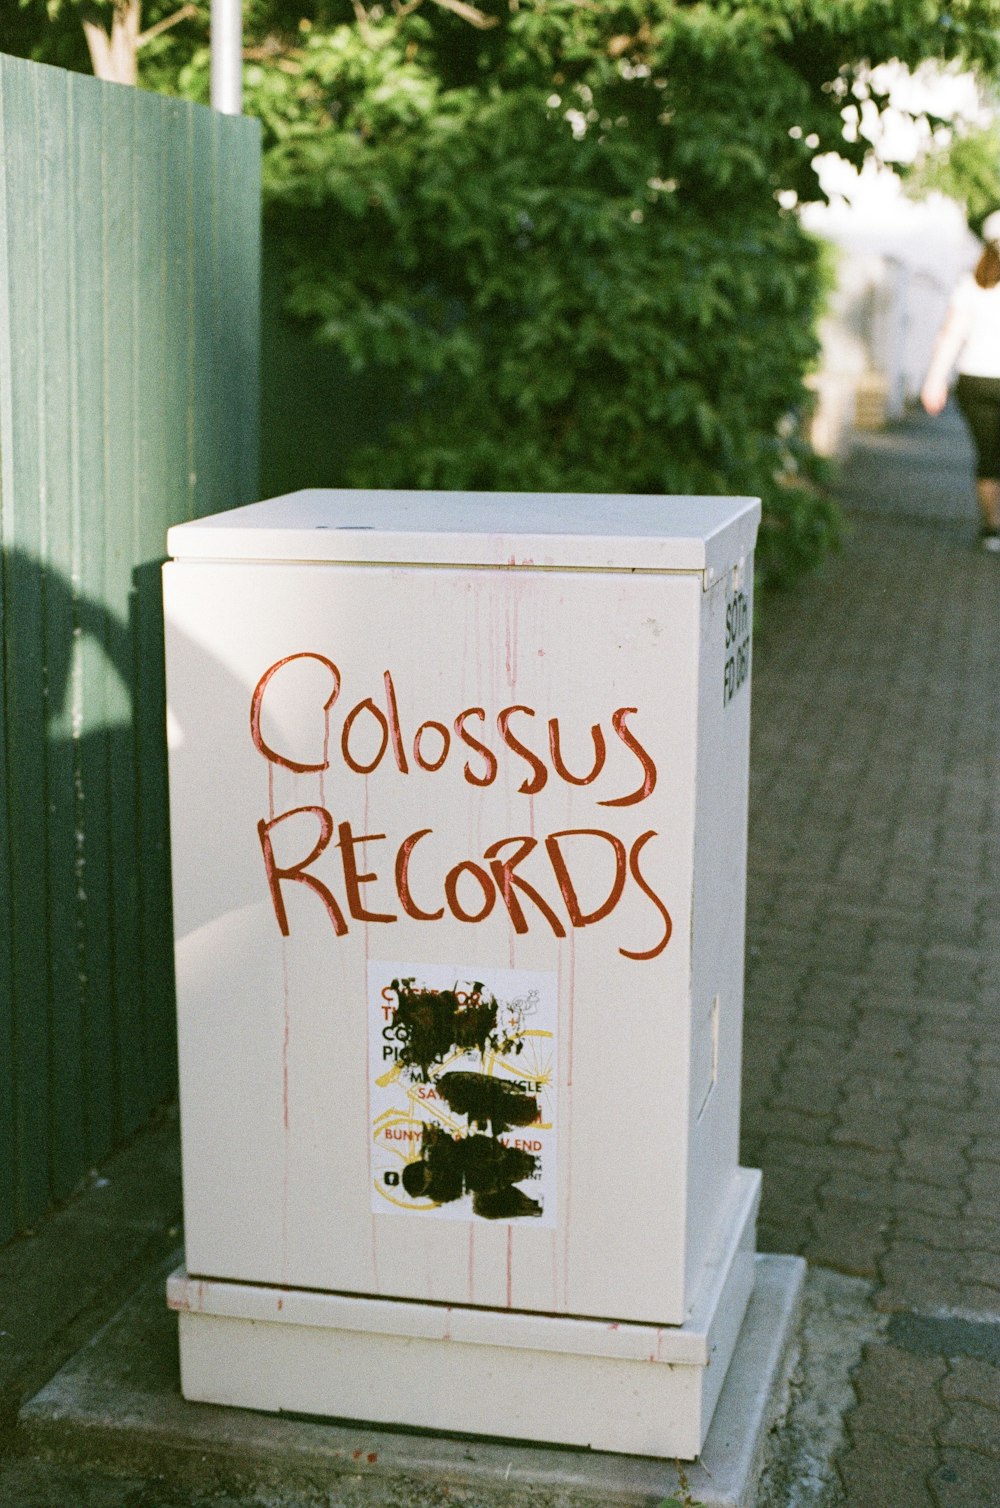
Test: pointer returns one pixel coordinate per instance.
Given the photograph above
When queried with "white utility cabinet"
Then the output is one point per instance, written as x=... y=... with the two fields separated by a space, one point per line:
x=458 y=791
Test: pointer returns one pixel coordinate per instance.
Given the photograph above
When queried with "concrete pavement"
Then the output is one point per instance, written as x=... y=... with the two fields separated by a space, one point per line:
x=872 y=1065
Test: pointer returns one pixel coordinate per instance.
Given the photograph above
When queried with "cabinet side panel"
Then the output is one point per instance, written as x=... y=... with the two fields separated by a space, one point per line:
x=720 y=859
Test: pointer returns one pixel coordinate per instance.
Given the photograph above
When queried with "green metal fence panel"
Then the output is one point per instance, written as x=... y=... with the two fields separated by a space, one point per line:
x=129 y=345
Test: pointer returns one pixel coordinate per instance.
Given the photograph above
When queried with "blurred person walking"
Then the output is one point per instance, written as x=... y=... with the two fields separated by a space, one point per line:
x=970 y=336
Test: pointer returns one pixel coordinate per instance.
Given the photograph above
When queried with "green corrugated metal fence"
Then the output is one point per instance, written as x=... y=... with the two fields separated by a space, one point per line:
x=129 y=313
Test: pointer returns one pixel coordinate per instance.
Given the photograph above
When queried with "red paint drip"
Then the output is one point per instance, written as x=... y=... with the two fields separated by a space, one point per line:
x=287 y=1034
x=567 y=1202
x=285 y=1115
x=511 y=637
x=372 y=1457
x=326 y=753
x=570 y=1010
x=373 y=1218
x=510 y=1266
x=472 y=1262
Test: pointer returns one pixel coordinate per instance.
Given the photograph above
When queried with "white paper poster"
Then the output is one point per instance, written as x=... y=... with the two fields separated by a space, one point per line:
x=462 y=1085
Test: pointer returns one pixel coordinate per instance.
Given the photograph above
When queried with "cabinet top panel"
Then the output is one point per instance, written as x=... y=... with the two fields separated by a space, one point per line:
x=519 y=530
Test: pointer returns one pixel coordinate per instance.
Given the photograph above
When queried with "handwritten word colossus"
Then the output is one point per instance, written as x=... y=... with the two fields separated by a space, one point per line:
x=470 y=890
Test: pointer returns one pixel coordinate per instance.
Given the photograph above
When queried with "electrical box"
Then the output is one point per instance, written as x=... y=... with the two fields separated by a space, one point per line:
x=458 y=793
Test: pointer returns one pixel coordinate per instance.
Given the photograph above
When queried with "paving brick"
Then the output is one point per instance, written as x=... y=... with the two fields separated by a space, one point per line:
x=874 y=1072
x=869 y=1130
x=965 y=1479
x=950 y=1028
x=844 y=1184
x=811 y=1157
x=946 y=1141
x=877 y=1474
x=951 y=1095
x=891 y=1092
x=979 y=1232
x=807 y=1093
x=784 y=1213
x=787 y=1236
x=983 y=1182
x=975 y=1426
x=941 y=1167
x=943 y=1058
x=980 y=1298
x=884 y=1034
x=927 y=1115
x=949 y=979
x=984 y=1268
x=973 y=1381
x=898 y=1395
x=767 y=1120
x=945 y=1201
x=921 y=1277
x=843 y=1238
x=939 y=1007
x=961 y=1231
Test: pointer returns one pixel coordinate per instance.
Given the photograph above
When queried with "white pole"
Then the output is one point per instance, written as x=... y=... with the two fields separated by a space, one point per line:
x=227 y=57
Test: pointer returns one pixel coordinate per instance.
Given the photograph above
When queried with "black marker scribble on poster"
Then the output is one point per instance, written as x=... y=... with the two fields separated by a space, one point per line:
x=431 y=1025
x=462 y=1109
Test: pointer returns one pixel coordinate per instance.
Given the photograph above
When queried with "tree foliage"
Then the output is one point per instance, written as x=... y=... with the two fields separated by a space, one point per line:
x=967 y=168
x=566 y=227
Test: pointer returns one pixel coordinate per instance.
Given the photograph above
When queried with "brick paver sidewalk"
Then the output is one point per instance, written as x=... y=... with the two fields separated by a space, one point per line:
x=872 y=1079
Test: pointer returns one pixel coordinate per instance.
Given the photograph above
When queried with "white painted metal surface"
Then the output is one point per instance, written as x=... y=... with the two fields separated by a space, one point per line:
x=642 y=1389
x=462 y=741
x=524 y=530
x=226 y=41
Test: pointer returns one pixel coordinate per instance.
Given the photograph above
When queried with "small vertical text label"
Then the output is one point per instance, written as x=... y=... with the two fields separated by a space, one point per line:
x=737 y=667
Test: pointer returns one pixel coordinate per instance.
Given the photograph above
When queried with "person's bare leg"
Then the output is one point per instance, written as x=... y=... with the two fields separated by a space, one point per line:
x=988 y=494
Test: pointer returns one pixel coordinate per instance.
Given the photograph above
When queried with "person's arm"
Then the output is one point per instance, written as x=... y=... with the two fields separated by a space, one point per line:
x=951 y=338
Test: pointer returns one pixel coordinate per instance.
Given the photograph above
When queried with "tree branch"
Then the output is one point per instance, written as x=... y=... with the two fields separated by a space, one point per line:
x=468 y=13
x=183 y=14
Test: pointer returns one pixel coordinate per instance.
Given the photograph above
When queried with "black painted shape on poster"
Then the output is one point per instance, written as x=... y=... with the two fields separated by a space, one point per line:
x=478 y=1165
x=430 y=1026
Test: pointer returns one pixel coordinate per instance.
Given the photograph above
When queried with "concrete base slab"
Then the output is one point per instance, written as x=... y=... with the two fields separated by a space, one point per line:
x=117 y=1405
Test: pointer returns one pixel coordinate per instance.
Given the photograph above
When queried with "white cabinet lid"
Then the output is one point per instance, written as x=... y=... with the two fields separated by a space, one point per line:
x=557 y=530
